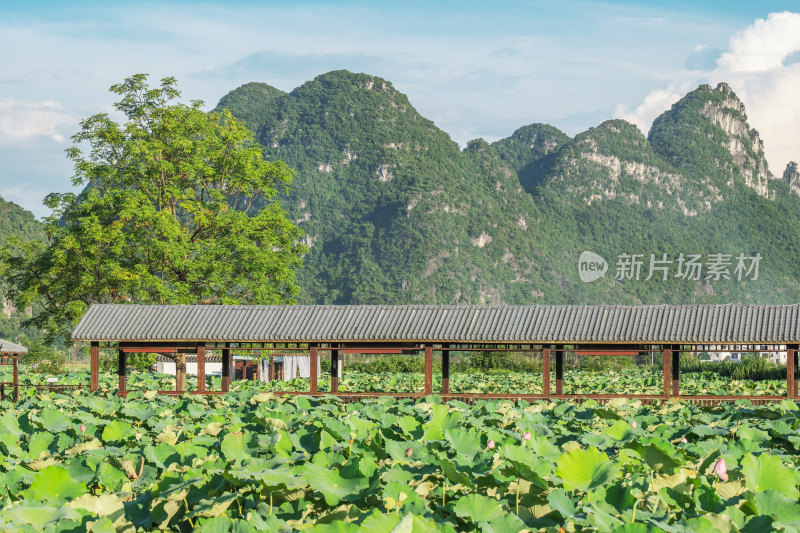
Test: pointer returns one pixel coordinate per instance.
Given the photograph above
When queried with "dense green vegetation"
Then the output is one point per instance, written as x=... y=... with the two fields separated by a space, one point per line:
x=16 y=224
x=166 y=216
x=252 y=461
x=395 y=212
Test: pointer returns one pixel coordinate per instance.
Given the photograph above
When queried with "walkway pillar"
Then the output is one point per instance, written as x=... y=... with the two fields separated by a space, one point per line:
x=546 y=371
x=666 y=359
x=559 y=369
x=312 y=353
x=445 y=368
x=201 y=368
x=271 y=371
x=94 y=371
x=122 y=372
x=791 y=382
x=15 y=377
x=334 y=370
x=226 y=368
x=428 y=369
x=676 y=370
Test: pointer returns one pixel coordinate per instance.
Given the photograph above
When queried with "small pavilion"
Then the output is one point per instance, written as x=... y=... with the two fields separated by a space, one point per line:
x=9 y=356
x=547 y=330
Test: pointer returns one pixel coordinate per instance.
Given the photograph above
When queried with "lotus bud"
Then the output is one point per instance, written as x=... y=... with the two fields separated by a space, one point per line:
x=408 y=452
x=490 y=444
x=633 y=424
x=526 y=435
x=352 y=440
x=721 y=469
x=83 y=428
x=683 y=440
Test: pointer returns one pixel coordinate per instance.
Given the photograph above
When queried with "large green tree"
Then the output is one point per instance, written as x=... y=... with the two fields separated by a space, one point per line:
x=167 y=215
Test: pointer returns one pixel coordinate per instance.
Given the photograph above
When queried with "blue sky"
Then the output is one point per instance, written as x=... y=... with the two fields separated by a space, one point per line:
x=475 y=69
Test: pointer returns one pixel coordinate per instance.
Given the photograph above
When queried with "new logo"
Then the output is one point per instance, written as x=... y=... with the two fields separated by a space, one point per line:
x=591 y=267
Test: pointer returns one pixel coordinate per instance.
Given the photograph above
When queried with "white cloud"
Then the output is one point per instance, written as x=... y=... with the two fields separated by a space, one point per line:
x=763 y=45
x=754 y=66
x=655 y=103
x=22 y=121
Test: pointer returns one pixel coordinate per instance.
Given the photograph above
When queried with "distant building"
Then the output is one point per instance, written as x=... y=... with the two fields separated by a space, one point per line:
x=736 y=352
x=286 y=367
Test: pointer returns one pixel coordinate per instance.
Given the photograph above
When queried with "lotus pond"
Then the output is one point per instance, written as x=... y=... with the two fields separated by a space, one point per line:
x=629 y=381
x=251 y=461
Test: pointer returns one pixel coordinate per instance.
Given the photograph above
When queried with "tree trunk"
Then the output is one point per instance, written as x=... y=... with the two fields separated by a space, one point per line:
x=180 y=372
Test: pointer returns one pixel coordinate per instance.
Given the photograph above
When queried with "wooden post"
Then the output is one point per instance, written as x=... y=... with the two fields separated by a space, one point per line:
x=94 y=371
x=559 y=370
x=180 y=372
x=122 y=373
x=546 y=371
x=676 y=370
x=334 y=370
x=796 y=365
x=312 y=353
x=791 y=383
x=226 y=368
x=201 y=368
x=445 y=369
x=15 y=378
x=666 y=359
x=428 y=369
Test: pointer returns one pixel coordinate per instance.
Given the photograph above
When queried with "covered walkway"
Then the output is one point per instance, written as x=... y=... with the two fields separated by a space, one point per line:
x=9 y=356
x=327 y=331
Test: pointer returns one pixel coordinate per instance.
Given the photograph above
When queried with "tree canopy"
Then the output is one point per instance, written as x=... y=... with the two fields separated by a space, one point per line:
x=178 y=206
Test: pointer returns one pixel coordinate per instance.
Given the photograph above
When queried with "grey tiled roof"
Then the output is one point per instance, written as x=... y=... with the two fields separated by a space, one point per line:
x=698 y=324
x=10 y=347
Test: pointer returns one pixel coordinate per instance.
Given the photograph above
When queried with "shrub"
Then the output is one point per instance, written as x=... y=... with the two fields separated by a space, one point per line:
x=45 y=359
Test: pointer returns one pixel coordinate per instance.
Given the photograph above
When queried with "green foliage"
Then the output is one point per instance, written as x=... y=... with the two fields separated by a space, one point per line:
x=44 y=359
x=751 y=367
x=162 y=463
x=167 y=215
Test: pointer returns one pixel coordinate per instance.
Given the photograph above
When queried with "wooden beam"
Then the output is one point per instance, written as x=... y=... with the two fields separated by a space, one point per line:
x=122 y=372
x=271 y=374
x=201 y=368
x=559 y=370
x=334 y=370
x=546 y=371
x=676 y=370
x=226 y=368
x=312 y=352
x=94 y=372
x=666 y=360
x=446 y=369
x=428 y=369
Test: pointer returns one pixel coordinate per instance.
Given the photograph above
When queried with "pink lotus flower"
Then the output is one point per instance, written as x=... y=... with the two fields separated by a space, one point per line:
x=721 y=469
x=490 y=444
x=526 y=435
x=633 y=424
x=83 y=428
x=408 y=452
x=683 y=440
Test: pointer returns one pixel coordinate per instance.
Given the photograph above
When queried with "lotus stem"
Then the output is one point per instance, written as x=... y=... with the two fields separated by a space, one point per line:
x=517 y=502
x=191 y=524
x=270 y=503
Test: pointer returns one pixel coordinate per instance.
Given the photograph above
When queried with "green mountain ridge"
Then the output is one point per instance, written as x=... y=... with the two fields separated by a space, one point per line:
x=395 y=212
x=15 y=222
